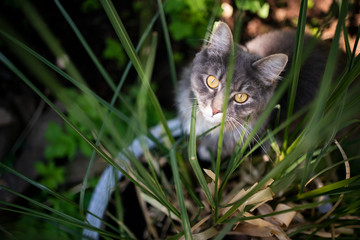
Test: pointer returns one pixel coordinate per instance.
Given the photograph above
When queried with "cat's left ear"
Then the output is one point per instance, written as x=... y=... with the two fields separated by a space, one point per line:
x=221 y=38
x=270 y=67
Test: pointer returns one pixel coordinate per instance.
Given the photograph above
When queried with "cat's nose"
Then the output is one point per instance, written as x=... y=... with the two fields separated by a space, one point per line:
x=215 y=111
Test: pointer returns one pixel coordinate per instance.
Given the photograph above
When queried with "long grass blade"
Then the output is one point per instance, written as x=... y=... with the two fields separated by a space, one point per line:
x=129 y=48
x=102 y=154
x=180 y=195
x=296 y=64
x=82 y=87
x=56 y=219
x=193 y=158
x=84 y=43
x=167 y=43
x=342 y=186
x=53 y=44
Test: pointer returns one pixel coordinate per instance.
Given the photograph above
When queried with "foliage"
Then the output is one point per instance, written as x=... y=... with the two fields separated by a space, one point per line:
x=114 y=51
x=50 y=174
x=188 y=19
x=260 y=7
x=90 y=5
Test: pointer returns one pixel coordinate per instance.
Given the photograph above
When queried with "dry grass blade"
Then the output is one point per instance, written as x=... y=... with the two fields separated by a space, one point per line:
x=207 y=234
x=347 y=169
x=260 y=228
x=151 y=229
x=284 y=218
x=262 y=196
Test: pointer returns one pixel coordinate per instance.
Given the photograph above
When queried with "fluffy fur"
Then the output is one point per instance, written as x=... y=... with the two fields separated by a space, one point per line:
x=259 y=66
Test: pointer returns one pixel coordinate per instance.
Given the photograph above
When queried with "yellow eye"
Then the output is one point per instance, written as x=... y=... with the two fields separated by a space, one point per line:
x=212 y=82
x=241 y=97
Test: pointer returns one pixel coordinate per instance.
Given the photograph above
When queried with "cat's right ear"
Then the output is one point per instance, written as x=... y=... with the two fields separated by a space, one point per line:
x=269 y=68
x=221 y=38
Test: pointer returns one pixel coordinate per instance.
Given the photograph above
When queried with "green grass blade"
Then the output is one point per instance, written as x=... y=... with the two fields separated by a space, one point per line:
x=38 y=185
x=340 y=185
x=96 y=148
x=264 y=116
x=45 y=207
x=229 y=76
x=193 y=158
x=84 y=43
x=56 y=219
x=180 y=195
x=283 y=165
x=327 y=77
x=141 y=106
x=45 y=189
x=296 y=64
x=50 y=40
x=129 y=48
x=348 y=79
x=354 y=49
x=167 y=43
x=81 y=86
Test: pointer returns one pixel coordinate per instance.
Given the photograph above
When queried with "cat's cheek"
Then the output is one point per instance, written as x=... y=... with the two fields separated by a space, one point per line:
x=206 y=111
x=217 y=118
x=208 y=115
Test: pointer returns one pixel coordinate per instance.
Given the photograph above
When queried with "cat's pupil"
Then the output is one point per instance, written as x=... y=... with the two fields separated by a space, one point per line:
x=241 y=97
x=212 y=82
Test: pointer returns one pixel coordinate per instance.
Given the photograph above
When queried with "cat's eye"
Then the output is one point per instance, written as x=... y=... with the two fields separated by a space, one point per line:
x=241 y=97
x=212 y=82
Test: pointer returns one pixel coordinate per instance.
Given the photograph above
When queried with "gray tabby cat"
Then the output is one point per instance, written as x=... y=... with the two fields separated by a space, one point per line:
x=259 y=66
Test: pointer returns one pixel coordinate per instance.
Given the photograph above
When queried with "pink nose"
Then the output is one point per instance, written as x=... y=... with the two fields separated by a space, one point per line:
x=215 y=111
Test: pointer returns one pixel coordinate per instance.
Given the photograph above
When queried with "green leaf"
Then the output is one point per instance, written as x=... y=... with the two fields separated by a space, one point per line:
x=53 y=130
x=61 y=144
x=180 y=29
x=51 y=175
x=263 y=12
x=114 y=51
x=174 y=6
x=90 y=5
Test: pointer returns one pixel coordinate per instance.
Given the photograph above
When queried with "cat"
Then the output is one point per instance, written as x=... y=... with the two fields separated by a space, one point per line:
x=259 y=66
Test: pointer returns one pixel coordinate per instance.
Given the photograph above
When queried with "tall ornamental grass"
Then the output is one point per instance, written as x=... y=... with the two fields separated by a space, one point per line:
x=284 y=197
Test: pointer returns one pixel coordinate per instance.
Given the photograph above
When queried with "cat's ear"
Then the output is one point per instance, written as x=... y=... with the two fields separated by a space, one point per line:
x=270 y=67
x=221 y=38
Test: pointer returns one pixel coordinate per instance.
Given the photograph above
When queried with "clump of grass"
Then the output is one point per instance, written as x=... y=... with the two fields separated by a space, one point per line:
x=283 y=198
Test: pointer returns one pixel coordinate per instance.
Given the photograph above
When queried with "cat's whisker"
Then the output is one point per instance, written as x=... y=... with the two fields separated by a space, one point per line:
x=231 y=124
x=239 y=125
x=248 y=130
x=268 y=57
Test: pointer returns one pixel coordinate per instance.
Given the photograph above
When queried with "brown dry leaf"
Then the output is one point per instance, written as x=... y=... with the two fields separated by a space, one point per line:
x=349 y=230
x=211 y=186
x=211 y=175
x=238 y=196
x=252 y=230
x=201 y=222
x=158 y=206
x=207 y=234
x=261 y=228
x=259 y=198
x=322 y=234
x=268 y=183
x=284 y=218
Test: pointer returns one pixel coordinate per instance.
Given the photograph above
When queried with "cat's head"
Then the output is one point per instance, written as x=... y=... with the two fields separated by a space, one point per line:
x=252 y=85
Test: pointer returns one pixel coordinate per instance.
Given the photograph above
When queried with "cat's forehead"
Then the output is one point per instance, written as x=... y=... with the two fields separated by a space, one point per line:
x=210 y=59
x=209 y=62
